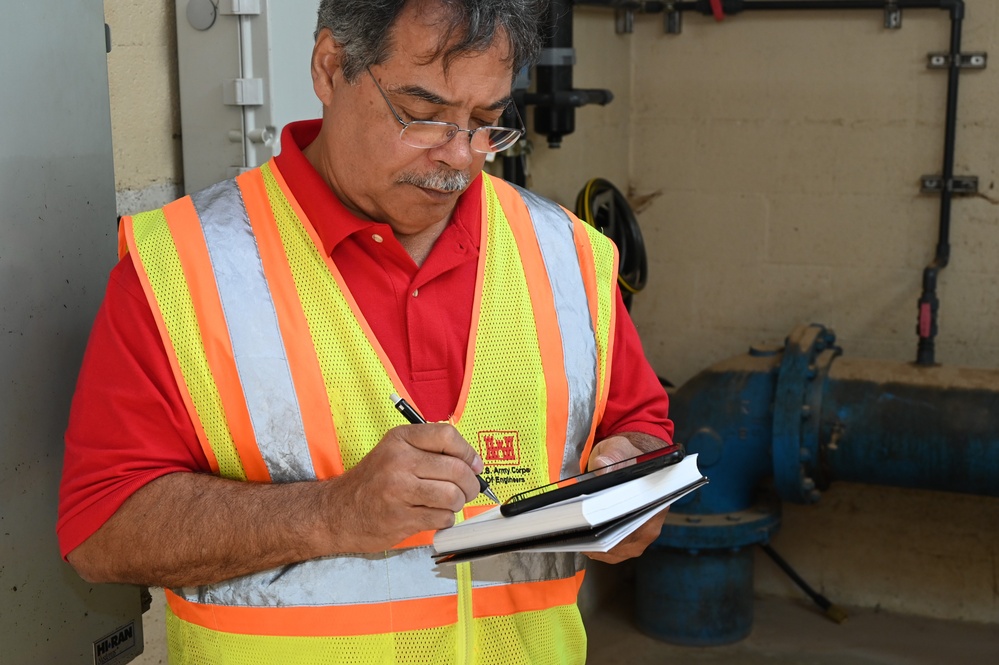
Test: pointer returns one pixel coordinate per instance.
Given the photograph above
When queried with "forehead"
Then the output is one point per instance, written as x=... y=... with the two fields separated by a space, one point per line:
x=422 y=35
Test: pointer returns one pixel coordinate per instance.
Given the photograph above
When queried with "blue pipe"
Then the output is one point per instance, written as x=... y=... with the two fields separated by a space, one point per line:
x=782 y=424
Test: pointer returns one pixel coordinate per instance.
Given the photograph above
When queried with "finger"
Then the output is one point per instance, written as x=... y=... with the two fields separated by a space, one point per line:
x=410 y=521
x=441 y=495
x=433 y=519
x=422 y=465
x=635 y=543
x=443 y=439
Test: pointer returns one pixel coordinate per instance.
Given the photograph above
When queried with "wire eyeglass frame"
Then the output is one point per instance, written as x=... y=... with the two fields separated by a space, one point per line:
x=488 y=139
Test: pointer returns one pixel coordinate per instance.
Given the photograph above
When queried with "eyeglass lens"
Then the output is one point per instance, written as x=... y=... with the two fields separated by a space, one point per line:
x=421 y=134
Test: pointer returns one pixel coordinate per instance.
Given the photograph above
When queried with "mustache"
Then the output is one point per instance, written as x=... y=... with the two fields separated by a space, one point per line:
x=442 y=180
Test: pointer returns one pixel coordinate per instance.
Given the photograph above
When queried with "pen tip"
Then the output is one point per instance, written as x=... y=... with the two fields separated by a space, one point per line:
x=395 y=398
x=492 y=495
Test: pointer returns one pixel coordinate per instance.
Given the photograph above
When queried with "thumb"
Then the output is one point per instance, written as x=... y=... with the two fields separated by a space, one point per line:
x=609 y=451
x=601 y=461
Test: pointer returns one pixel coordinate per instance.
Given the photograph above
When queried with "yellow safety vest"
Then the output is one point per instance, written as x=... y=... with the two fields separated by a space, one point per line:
x=285 y=381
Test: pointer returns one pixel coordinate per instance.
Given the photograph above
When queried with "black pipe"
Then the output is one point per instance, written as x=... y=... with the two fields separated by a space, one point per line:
x=554 y=75
x=928 y=304
x=731 y=7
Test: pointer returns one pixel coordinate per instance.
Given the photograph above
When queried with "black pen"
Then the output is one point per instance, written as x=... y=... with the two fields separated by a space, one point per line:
x=414 y=418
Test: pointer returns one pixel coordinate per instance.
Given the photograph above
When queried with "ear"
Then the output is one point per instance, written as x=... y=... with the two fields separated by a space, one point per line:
x=325 y=66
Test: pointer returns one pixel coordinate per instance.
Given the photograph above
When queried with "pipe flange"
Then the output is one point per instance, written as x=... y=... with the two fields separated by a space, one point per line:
x=721 y=531
x=808 y=352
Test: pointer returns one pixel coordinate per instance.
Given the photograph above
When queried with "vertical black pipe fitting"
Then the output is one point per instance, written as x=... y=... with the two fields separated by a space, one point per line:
x=513 y=158
x=554 y=75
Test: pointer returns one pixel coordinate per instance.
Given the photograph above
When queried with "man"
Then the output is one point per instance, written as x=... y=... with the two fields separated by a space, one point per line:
x=232 y=437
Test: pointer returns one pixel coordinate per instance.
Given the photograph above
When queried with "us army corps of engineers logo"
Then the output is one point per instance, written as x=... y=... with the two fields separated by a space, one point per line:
x=500 y=450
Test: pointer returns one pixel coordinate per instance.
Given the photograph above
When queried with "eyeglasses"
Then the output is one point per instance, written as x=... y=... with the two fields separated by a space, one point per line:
x=432 y=134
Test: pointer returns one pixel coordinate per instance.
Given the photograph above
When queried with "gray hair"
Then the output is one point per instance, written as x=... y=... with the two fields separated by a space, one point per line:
x=362 y=27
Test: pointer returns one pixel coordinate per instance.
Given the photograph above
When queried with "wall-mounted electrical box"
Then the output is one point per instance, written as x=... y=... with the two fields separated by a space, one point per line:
x=57 y=245
x=244 y=74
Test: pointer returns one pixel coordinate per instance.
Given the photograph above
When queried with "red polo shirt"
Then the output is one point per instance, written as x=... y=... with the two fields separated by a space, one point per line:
x=128 y=424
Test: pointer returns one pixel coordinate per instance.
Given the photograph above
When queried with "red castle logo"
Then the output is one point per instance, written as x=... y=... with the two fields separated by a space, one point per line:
x=499 y=447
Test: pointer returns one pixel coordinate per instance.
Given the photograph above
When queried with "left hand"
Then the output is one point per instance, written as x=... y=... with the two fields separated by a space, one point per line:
x=608 y=451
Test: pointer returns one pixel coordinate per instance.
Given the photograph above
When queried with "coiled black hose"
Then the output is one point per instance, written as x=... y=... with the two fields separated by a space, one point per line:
x=601 y=205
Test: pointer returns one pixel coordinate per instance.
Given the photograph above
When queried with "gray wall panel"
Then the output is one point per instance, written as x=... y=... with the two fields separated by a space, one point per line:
x=57 y=244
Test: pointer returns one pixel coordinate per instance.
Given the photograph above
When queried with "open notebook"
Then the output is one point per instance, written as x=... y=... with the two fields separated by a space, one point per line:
x=589 y=523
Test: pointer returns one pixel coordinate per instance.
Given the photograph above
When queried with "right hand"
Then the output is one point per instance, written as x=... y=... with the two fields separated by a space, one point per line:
x=415 y=479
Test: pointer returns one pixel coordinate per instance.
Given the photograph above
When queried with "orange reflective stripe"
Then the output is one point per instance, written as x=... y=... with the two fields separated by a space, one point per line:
x=306 y=374
x=420 y=539
x=122 y=240
x=506 y=599
x=587 y=260
x=127 y=233
x=480 y=277
x=543 y=304
x=348 y=296
x=323 y=621
x=604 y=386
x=185 y=227
x=427 y=537
x=586 y=263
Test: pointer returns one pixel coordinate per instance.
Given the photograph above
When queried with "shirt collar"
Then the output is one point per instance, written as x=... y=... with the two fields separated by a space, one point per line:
x=331 y=219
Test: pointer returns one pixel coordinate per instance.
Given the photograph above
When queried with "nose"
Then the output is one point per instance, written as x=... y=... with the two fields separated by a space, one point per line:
x=456 y=153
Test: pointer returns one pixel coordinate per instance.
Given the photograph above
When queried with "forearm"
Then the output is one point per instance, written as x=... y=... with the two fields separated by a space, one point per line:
x=188 y=529
x=644 y=442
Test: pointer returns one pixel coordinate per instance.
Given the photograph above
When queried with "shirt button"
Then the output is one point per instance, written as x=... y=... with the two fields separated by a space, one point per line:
x=416 y=293
x=376 y=237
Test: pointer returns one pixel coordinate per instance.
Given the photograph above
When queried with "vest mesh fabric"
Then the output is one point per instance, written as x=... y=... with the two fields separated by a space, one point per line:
x=507 y=382
x=193 y=645
x=166 y=277
x=605 y=261
x=357 y=384
x=557 y=639
x=507 y=376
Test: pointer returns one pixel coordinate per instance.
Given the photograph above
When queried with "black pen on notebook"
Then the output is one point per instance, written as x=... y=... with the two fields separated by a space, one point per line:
x=414 y=418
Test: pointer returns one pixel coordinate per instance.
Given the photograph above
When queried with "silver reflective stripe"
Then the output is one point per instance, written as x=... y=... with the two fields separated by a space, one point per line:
x=517 y=567
x=253 y=328
x=343 y=580
x=553 y=228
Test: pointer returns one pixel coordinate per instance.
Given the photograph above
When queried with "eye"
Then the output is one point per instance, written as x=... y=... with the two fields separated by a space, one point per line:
x=410 y=117
x=484 y=121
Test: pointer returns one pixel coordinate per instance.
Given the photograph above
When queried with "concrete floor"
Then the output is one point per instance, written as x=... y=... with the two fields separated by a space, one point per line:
x=788 y=632
x=785 y=632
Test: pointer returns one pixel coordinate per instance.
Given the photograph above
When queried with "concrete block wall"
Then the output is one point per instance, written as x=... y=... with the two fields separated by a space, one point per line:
x=145 y=103
x=784 y=151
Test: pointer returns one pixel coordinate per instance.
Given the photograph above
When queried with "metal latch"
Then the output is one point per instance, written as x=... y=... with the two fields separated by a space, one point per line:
x=963 y=185
x=965 y=60
x=240 y=7
x=243 y=92
x=893 y=15
x=624 y=21
x=672 y=18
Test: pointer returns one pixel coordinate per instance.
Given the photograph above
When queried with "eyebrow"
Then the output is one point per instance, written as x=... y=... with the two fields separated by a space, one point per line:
x=422 y=93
